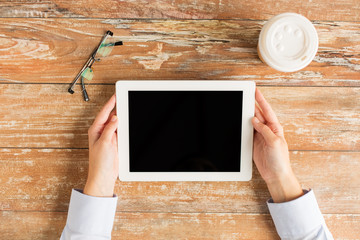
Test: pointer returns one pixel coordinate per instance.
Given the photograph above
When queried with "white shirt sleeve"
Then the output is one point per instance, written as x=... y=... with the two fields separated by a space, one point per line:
x=89 y=217
x=299 y=219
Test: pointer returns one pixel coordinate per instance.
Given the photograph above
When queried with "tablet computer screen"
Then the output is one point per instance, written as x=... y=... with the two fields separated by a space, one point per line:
x=185 y=131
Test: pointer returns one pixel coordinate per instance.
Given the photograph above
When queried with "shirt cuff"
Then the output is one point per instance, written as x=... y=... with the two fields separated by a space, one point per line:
x=91 y=215
x=298 y=217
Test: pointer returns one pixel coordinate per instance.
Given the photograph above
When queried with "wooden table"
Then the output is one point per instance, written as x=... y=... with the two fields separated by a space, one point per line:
x=43 y=129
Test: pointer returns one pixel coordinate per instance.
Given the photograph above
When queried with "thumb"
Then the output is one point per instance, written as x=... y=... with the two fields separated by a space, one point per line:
x=110 y=129
x=264 y=130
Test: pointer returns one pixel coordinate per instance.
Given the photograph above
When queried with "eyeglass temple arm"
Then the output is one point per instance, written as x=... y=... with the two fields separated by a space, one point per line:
x=88 y=62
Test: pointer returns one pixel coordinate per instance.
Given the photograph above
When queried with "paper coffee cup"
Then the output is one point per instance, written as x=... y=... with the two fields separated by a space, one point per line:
x=288 y=42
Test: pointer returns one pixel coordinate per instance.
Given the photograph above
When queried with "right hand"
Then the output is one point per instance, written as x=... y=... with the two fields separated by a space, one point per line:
x=271 y=155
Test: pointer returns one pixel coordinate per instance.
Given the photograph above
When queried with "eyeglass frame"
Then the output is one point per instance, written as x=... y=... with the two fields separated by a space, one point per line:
x=89 y=64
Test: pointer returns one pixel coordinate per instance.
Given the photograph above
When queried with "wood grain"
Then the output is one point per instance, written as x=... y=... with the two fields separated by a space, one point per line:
x=47 y=116
x=163 y=226
x=43 y=129
x=54 y=50
x=42 y=179
x=342 y=10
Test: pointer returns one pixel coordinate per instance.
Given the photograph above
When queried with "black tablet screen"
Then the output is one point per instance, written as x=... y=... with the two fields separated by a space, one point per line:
x=185 y=131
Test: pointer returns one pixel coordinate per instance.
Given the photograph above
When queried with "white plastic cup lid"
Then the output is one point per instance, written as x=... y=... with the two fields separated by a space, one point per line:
x=288 y=42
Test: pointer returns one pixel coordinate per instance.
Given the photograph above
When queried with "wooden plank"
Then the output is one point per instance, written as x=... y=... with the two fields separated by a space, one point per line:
x=318 y=118
x=42 y=179
x=47 y=116
x=204 y=226
x=342 y=10
x=54 y=50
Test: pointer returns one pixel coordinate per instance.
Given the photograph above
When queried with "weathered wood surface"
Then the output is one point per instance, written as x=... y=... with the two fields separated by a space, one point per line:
x=164 y=226
x=42 y=179
x=47 y=116
x=43 y=129
x=54 y=50
x=342 y=10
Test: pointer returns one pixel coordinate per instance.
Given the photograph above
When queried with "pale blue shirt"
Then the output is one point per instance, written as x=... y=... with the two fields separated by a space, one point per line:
x=92 y=218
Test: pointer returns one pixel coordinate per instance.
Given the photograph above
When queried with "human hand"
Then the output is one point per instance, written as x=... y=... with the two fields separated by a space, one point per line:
x=271 y=155
x=103 y=156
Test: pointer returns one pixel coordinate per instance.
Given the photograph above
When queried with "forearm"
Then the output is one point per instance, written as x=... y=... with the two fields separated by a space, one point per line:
x=284 y=188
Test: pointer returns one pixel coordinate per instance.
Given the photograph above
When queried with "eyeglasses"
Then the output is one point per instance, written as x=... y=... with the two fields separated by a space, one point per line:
x=86 y=74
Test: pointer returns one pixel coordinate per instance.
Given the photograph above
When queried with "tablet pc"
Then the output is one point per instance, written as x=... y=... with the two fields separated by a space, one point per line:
x=185 y=130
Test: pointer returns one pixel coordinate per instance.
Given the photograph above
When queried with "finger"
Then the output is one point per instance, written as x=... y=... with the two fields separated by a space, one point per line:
x=267 y=111
x=109 y=130
x=273 y=122
x=113 y=112
x=104 y=113
x=264 y=130
x=100 y=129
x=114 y=139
x=98 y=125
x=277 y=129
x=95 y=131
x=92 y=139
x=259 y=114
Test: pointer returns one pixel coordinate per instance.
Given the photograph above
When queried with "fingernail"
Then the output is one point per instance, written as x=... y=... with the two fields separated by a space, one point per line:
x=256 y=120
x=113 y=119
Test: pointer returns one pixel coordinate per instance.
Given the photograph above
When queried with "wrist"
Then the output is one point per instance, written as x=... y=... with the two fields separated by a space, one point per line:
x=96 y=189
x=284 y=188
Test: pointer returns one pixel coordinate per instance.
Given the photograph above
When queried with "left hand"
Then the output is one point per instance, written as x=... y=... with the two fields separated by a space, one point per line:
x=103 y=155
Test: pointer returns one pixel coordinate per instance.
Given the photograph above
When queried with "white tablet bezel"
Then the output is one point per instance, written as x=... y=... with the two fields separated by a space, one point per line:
x=122 y=88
